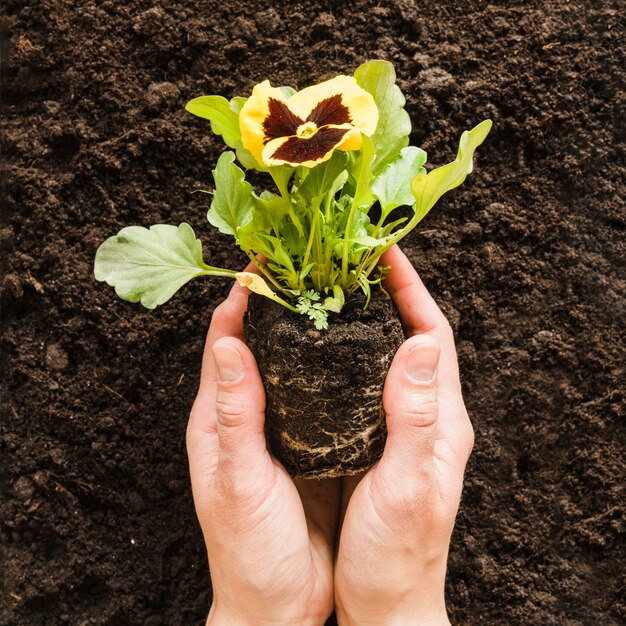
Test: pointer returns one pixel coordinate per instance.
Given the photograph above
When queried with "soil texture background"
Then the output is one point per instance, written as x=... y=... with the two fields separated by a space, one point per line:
x=97 y=523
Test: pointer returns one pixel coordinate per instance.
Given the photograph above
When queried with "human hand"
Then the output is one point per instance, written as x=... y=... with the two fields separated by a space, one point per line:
x=269 y=538
x=393 y=546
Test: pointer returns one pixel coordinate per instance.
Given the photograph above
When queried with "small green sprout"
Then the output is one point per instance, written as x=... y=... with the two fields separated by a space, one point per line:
x=334 y=152
x=308 y=304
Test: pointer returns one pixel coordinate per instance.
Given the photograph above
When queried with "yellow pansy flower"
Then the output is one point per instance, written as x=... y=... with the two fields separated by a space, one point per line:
x=308 y=127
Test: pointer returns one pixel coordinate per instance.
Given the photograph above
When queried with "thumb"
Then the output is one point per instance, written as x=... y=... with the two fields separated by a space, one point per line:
x=239 y=405
x=410 y=402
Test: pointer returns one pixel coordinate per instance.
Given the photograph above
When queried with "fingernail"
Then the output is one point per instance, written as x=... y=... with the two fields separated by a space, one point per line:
x=421 y=363
x=228 y=362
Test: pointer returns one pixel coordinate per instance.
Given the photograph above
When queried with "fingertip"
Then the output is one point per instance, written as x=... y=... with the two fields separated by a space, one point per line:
x=237 y=359
x=232 y=343
x=422 y=359
x=412 y=374
x=412 y=346
x=421 y=340
x=228 y=360
x=239 y=295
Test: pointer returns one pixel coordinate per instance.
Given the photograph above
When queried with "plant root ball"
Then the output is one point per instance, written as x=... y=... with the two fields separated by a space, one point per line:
x=324 y=415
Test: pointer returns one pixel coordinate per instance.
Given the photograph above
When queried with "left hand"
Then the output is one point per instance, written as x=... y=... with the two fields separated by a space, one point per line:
x=391 y=561
x=269 y=538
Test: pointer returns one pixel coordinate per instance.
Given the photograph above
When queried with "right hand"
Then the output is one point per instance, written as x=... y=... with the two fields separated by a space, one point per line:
x=393 y=547
x=269 y=538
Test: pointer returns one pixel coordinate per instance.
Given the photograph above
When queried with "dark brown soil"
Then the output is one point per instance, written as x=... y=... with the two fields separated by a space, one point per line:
x=526 y=259
x=324 y=414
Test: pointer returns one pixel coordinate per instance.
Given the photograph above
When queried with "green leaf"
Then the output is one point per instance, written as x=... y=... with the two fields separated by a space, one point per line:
x=428 y=188
x=335 y=302
x=388 y=228
x=392 y=187
x=224 y=118
x=324 y=178
x=272 y=207
x=232 y=202
x=394 y=124
x=287 y=91
x=224 y=121
x=362 y=174
x=295 y=244
x=151 y=265
x=279 y=255
x=236 y=104
x=366 y=240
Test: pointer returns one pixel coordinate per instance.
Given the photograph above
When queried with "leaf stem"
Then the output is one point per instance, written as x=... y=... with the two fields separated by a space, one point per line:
x=282 y=186
x=265 y=271
x=373 y=259
x=218 y=271
x=309 y=245
x=346 y=245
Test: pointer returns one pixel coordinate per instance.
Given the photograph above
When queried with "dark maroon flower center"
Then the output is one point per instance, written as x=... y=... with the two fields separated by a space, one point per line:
x=281 y=122
x=301 y=149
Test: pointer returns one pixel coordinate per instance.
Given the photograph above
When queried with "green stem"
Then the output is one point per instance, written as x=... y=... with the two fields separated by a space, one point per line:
x=395 y=238
x=318 y=248
x=286 y=305
x=309 y=244
x=327 y=207
x=346 y=246
x=218 y=271
x=286 y=196
x=265 y=271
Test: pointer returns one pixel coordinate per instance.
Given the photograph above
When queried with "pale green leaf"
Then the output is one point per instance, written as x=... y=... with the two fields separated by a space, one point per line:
x=362 y=174
x=271 y=207
x=287 y=91
x=428 y=188
x=232 y=201
x=394 y=125
x=366 y=240
x=224 y=121
x=336 y=301
x=392 y=187
x=324 y=178
x=236 y=104
x=151 y=265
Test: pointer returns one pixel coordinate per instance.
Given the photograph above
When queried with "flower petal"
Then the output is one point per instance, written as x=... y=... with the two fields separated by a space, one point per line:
x=265 y=116
x=331 y=110
x=307 y=151
x=329 y=101
x=352 y=141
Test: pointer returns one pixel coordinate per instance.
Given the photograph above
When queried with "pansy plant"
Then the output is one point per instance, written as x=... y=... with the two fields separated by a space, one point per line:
x=334 y=151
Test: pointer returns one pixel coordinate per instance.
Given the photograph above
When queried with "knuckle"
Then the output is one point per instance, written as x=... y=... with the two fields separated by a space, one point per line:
x=230 y=412
x=421 y=413
x=231 y=490
x=404 y=501
x=237 y=495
